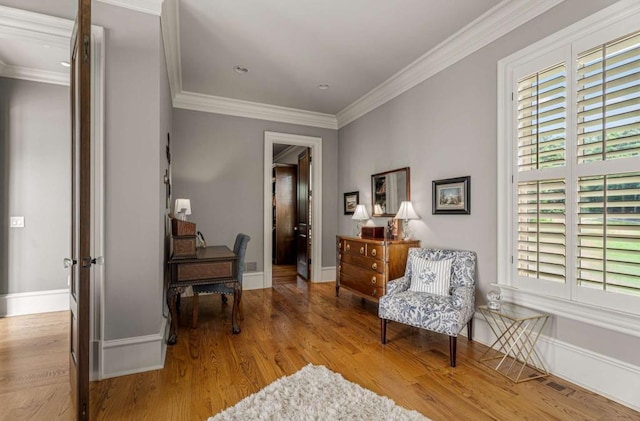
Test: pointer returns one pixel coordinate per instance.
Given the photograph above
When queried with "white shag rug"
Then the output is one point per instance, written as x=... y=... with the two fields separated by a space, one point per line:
x=316 y=393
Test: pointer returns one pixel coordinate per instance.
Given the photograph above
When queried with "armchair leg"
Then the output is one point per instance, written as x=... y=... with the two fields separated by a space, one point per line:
x=452 y=350
x=383 y=331
x=194 y=315
x=470 y=330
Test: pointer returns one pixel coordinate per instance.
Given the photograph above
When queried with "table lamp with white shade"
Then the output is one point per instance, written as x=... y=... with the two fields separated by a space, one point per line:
x=406 y=213
x=360 y=214
x=183 y=208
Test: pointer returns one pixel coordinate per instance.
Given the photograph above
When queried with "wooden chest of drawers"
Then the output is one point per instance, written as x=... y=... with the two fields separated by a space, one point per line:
x=364 y=266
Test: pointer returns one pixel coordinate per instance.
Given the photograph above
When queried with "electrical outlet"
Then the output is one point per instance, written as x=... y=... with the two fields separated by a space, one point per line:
x=17 y=222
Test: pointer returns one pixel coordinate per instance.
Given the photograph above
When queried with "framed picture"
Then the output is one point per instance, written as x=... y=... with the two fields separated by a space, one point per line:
x=351 y=200
x=452 y=196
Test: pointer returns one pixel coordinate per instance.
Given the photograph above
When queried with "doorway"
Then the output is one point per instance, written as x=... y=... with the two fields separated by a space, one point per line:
x=36 y=29
x=296 y=142
x=284 y=209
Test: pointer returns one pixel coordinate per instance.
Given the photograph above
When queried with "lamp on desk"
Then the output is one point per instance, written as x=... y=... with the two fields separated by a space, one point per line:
x=183 y=208
x=406 y=213
x=360 y=214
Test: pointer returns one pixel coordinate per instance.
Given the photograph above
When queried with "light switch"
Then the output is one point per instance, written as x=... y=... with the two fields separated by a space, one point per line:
x=17 y=222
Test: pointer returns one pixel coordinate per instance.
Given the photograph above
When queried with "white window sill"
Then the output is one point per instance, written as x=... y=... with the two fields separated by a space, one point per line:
x=617 y=321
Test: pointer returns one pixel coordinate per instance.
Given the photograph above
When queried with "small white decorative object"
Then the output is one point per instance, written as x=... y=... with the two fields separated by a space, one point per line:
x=494 y=299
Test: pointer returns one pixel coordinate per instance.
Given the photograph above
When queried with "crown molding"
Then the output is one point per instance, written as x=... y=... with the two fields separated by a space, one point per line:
x=34 y=75
x=35 y=27
x=239 y=108
x=152 y=7
x=30 y=26
x=170 y=25
x=493 y=24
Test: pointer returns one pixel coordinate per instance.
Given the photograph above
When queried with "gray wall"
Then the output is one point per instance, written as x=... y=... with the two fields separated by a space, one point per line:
x=134 y=200
x=35 y=182
x=218 y=163
x=446 y=127
x=166 y=126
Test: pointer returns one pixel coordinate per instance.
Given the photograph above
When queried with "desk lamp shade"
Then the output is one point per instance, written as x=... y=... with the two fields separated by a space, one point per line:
x=360 y=214
x=183 y=208
x=406 y=213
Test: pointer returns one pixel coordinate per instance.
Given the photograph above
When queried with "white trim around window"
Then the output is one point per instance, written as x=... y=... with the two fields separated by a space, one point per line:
x=612 y=311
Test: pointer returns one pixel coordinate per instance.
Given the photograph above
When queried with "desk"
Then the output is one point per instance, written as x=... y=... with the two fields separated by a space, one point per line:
x=212 y=265
x=517 y=330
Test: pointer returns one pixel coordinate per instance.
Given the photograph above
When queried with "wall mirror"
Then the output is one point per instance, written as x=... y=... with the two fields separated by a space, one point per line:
x=388 y=190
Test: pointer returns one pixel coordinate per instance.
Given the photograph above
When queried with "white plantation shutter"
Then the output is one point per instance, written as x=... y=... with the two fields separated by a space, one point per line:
x=542 y=119
x=609 y=233
x=541 y=201
x=542 y=230
x=608 y=129
x=608 y=102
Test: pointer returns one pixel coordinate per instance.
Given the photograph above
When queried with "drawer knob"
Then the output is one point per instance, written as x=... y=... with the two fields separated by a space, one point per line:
x=361 y=250
x=375 y=291
x=374 y=266
x=374 y=252
x=348 y=247
x=373 y=280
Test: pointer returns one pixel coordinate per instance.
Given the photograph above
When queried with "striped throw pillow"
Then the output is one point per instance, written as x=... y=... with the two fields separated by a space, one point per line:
x=431 y=276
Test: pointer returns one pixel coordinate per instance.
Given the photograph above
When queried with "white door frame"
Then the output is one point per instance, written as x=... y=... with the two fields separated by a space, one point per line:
x=35 y=27
x=315 y=143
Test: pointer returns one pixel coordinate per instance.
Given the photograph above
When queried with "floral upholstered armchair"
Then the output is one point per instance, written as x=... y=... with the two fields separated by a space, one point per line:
x=437 y=293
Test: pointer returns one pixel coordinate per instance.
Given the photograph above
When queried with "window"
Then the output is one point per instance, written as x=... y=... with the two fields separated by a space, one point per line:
x=569 y=158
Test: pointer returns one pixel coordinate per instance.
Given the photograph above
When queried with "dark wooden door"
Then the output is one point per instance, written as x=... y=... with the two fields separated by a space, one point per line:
x=303 y=219
x=284 y=237
x=81 y=261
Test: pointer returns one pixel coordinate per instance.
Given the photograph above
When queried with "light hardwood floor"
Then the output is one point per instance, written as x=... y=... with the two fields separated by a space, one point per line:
x=285 y=328
x=284 y=274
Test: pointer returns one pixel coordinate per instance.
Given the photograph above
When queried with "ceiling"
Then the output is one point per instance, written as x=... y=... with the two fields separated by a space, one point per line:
x=292 y=46
x=366 y=51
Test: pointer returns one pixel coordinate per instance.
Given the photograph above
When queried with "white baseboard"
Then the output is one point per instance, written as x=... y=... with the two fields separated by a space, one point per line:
x=20 y=304
x=252 y=280
x=328 y=274
x=134 y=355
x=611 y=378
